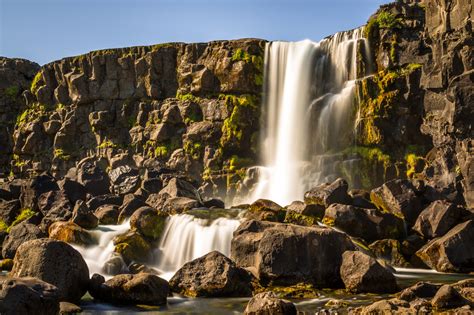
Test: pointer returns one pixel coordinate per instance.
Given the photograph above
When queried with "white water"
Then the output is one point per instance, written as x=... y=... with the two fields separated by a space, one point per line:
x=309 y=109
x=187 y=237
x=98 y=255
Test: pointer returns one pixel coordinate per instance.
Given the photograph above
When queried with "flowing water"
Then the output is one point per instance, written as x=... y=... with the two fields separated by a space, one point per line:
x=310 y=110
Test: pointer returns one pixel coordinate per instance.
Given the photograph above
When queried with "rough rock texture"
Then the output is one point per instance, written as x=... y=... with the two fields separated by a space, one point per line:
x=15 y=77
x=54 y=262
x=70 y=232
x=148 y=222
x=452 y=252
x=327 y=194
x=28 y=296
x=18 y=235
x=288 y=254
x=142 y=288
x=212 y=275
x=267 y=303
x=190 y=107
x=362 y=273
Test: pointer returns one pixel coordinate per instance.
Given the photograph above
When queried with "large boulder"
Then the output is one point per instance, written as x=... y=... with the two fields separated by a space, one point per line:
x=391 y=251
x=28 y=296
x=368 y=224
x=131 y=203
x=148 y=222
x=178 y=205
x=289 y=254
x=438 y=218
x=174 y=188
x=447 y=298
x=9 y=210
x=107 y=214
x=92 y=176
x=362 y=273
x=73 y=190
x=124 y=179
x=301 y=213
x=83 y=216
x=452 y=252
x=18 y=235
x=421 y=290
x=142 y=288
x=398 y=197
x=268 y=303
x=327 y=194
x=212 y=275
x=133 y=247
x=55 y=262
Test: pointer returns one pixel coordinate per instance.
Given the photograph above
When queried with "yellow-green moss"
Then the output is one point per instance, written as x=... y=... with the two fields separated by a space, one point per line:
x=35 y=83
x=193 y=149
x=106 y=144
x=60 y=154
x=3 y=226
x=187 y=97
x=25 y=214
x=297 y=291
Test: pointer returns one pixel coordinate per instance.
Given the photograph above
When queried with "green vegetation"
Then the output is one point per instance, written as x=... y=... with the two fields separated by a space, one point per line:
x=17 y=161
x=25 y=214
x=106 y=144
x=383 y=20
x=193 y=149
x=35 y=111
x=187 y=97
x=256 y=60
x=60 y=154
x=237 y=162
x=3 y=226
x=35 y=83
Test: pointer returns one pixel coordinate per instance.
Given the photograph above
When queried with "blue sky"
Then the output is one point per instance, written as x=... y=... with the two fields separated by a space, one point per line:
x=46 y=30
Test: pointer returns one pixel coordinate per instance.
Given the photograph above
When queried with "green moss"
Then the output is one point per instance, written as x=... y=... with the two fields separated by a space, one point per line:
x=297 y=291
x=300 y=219
x=106 y=144
x=60 y=154
x=25 y=214
x=35 y=83
x=193 y=149
x=240 y=55
x=3 y=226
x=187 y=97
x=17 y=161
x=383 y=20
x=161 y=152
x=35 y=111
x=237 y=162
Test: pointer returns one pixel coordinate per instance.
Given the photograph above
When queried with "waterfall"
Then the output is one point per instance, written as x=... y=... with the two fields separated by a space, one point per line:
x=310 y=113
x=187 y=237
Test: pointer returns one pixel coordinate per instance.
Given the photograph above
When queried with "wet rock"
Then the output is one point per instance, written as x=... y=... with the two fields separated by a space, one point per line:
x=214 y=203
x=265 y=210
x=398 y=197
x=453 y=251
x=28 y=296
x=438 y=218
x=362 y=273
x=142 y=288
x=133 y=247
x=423 y=290
x=70 y=232
x=272 y=251
x=124 y=180
x=390 y=250
x=368 y=224
x=447 y=298
x=55 y=262
x=83 y=216
x=115 y=265
x=18 y=235
x=212 y=275
x=69 y=308
x=327 y=194
x=179 y=205
x=148 y=222
x=267 y=303
x=107 y=214
x=73 y=190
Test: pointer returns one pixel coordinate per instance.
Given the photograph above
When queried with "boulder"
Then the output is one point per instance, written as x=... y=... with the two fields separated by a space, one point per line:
x=93 y=177
x=273 y=252
x=174 y=188
x=133 y=247
x=83 y=216
x=438 y=218
x=212 y=275
x=214 y=203
x=391 y=251
x=73 y=190
x=9 y=210
x=142 y=288
x=362 y=273
x=55 y=201
x=18 y=235
x=107 y=214
x=28 y=296
x=178 y=205
x=69 y=308
x=6 y=264
x=327 y=194
x=148 y=222
x=447 y=298
x=71 y=233
x=131 y=203
x=97 y=201
x=124 y=180
x=268 y=303
x=55 y=262
x=368 y=224
x=452 y=252
x=398 y=197
x=265 y=210
x=421 y=290
x=34 y=188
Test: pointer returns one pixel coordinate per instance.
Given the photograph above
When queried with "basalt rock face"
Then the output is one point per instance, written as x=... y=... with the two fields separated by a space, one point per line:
x=15 y=77
x=416 y=111
x=189 y=107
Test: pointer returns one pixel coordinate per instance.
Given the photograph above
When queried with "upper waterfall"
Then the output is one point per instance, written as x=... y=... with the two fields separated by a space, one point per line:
x=309 y=110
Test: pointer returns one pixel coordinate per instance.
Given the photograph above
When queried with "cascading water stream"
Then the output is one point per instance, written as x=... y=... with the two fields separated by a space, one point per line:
x=309 y=108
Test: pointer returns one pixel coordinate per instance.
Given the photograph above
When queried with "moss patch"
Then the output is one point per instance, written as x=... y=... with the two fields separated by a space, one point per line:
x=25 y=214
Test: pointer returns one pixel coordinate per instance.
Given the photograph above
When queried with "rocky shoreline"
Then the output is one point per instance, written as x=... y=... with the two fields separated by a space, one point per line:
x=139 y=135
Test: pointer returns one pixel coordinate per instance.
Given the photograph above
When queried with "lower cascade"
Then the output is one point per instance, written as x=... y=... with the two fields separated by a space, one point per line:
x=309 y=108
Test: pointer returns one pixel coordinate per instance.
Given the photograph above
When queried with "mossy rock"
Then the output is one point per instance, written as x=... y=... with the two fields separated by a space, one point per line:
x=133 y=247
x=6 y=264
x=297 y=291
x=300 y=219
x=148 y=222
